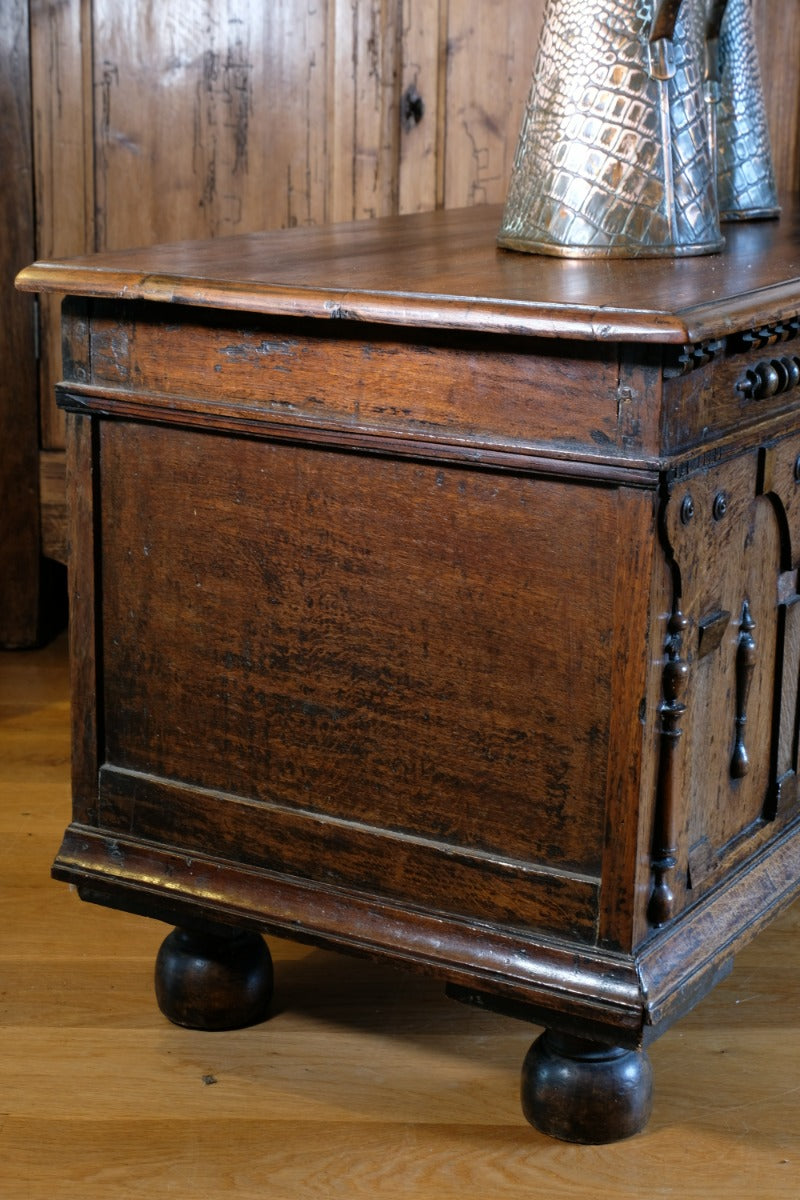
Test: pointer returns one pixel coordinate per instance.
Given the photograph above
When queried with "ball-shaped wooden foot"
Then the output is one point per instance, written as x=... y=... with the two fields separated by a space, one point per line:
x=586 y=1092
x=214 y=981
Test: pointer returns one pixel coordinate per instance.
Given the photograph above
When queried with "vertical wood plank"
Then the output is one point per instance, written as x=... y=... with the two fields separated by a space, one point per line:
x=64 y=201
x=218 y=107
x=82 y=482
x=419 y=141
x=630 y=788
x=778 y=33
x=490 y=54
x=63 y=159
x=52 y=492
x=364 y=115
x=19 y=443
x=295 y=42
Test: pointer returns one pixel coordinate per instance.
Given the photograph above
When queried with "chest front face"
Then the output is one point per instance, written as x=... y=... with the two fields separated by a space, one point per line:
x=731 y=535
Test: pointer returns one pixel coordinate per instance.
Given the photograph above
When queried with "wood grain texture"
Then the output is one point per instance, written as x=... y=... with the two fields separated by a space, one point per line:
x=491 y=49
x=364 y=116
x=422 y=73
x=317 y=380
x=365 y=1083
x=234 y=117
x=744 y=543
x=52 y=476
x=383 y=714
x=630 y=767
x=446 y=272
x=61 y=87
x=19 y=510
x=248 y=560
x=86 y=736
x=777 y=25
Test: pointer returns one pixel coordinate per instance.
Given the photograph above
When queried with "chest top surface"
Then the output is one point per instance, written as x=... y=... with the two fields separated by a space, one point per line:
x=444 y=270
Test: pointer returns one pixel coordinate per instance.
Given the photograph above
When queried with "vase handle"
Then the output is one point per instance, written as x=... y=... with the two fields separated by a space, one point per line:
x=716 y=11
x=665 y=14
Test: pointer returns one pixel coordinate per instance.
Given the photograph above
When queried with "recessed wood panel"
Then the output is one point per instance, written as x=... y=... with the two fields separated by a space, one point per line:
x=388 y=643
x=729 y=545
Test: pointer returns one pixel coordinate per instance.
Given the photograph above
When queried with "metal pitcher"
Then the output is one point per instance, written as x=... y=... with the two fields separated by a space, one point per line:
x=738 y=128
x=614 y=158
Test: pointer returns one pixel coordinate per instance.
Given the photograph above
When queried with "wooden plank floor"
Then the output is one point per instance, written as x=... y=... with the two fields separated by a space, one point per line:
x=366 y=1083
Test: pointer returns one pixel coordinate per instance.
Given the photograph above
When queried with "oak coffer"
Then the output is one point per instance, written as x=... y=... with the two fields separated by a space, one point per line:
x=440 y=603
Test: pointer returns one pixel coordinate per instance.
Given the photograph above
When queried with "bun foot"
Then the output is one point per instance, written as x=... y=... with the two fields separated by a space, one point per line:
x=585 y=1092
x=214 y=981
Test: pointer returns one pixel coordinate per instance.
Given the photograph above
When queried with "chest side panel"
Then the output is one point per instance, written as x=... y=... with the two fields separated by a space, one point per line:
x=393 y=667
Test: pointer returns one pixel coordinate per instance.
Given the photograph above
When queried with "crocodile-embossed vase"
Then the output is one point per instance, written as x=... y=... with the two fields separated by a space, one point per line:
x=614 y=156
x=746 y=187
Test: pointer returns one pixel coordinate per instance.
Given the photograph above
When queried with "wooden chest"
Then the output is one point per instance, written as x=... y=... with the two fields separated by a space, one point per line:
x=441 y=603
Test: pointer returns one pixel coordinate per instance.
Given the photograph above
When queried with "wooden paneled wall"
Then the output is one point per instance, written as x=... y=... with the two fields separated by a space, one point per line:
x=159 y=120
x=778 y=29
x=19 y=507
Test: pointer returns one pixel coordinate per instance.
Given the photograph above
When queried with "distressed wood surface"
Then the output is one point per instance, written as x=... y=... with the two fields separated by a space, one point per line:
x=509 y=396
x=490 y=53
x=728 y=554
x=219 y=110
x=385 y=766
x=444 y=270
x=364 y=109
x=243 y=118
x=422 y=75
x=233 y=117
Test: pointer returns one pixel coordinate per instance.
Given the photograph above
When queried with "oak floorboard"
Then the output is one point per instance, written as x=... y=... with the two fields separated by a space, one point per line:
x=366 y=1084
